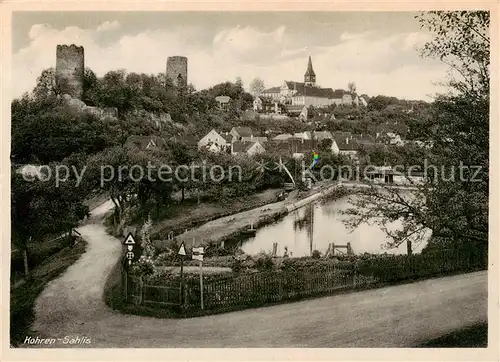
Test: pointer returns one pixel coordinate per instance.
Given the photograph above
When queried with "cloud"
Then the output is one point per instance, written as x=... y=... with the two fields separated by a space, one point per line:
x=351 y=36
x=108 y=26
x=377 y=64
x=247 y=44
x=416 y=40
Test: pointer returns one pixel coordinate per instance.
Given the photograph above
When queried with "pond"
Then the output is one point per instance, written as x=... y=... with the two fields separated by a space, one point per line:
x=315 y=226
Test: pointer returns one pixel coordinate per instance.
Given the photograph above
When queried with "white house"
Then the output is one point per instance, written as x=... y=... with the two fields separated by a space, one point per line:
x=214 y=142
x=347 y=148
x=273 y=93
x=303 y=114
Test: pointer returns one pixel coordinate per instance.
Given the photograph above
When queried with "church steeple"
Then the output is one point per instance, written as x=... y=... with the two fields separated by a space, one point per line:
x=310 y=76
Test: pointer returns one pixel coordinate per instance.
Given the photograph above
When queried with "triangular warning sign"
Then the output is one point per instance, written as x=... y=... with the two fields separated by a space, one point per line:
x=182 y=250
x=129 y=240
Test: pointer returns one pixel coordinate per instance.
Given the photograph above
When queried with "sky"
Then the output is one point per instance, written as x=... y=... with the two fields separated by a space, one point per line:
x=378 y=51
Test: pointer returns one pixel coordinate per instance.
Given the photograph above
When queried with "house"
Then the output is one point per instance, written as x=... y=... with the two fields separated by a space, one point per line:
x=223 y=101
x=321 y=135
x=257 y=104
x=388 y=175
x=340 y=135
x=330 y=144
x=347 y=147
x=239 y=132
x=301 y=148
x=145 y=142
x=347 y=98
x=303 y=135
x=247 y=148
x=381 y=175
x=283 y=137
x=273 y=93
x=307 y=95
x=303 y=114
x=364 y=139
x=214 y=141
x=253 y=138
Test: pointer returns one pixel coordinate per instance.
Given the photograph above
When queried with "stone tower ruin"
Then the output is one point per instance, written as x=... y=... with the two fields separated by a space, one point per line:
x=70 y=67
x=177 y=69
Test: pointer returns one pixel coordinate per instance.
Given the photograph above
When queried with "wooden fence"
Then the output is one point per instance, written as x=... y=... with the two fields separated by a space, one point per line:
x=259 y=288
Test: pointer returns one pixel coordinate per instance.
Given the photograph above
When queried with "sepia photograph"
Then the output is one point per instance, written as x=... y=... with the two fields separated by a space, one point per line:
x=255 y=179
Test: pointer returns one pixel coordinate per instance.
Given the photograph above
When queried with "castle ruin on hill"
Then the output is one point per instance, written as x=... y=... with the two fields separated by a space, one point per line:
x=70 y=69
x=177 y=68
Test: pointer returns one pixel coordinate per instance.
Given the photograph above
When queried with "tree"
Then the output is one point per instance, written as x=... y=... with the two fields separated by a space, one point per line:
x=453 y=203
x=257 y=87
x=40 y=208
x=44 y=130
x=46 y=85
x=378 y=103
x=239 y=82
x=90 y=88
x=352 y=87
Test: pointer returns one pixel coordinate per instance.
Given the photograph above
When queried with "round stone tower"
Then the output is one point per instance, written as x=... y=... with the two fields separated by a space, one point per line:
x=70 y=67
x=177 y=70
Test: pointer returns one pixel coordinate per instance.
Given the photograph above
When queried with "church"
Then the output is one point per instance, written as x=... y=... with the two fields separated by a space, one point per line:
x=298 y=94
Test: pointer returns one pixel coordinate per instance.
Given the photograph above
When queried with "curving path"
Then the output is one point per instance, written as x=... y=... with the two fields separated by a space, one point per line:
x=400 y=316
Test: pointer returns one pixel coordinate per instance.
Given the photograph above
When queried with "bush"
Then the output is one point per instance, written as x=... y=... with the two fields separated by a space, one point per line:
x=236 y=265
x=316 y=254
x=264 y=262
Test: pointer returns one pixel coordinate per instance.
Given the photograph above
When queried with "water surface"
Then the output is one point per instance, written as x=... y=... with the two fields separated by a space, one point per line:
x=315 y=226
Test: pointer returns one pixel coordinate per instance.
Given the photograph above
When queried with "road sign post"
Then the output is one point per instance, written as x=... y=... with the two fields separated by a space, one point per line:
x=198 y=255
x=129 y=255
x=182 y=253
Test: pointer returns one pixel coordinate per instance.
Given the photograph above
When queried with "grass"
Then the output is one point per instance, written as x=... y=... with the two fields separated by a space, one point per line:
x=472 y=337
x=23 y=296
x=37 y=255
x=189 y=214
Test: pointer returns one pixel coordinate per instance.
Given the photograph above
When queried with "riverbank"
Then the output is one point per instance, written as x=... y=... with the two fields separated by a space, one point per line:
x=234 y=226
x=191 y=215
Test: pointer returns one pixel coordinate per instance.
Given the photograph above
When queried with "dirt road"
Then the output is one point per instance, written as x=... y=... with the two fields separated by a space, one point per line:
x=399 y=316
